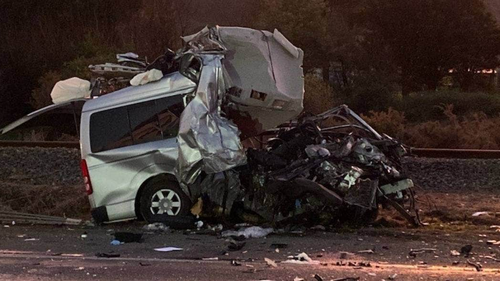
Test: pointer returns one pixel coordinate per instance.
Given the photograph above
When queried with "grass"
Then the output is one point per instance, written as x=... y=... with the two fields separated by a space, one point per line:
x=64 y=201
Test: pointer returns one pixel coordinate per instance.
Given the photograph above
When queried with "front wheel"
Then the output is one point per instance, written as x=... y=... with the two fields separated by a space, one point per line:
x=163 y=197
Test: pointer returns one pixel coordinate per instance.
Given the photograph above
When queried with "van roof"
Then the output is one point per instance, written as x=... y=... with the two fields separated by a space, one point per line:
x=173 y=83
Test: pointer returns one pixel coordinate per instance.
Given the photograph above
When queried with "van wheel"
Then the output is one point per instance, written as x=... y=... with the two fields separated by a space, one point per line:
x=163 y=197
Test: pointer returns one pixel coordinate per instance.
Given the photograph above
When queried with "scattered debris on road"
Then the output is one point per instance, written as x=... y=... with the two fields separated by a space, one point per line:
x=318 y=278
x=270 y=262
x=347 y=279
x=478 y=266
x=477 y=214
x=168 y=249
x=128 y=237
x=107 y=255
x=235 y=245
x=370 y=251
x=249 y=232
x=465 y=250
x=413 y=252
x=156 y=227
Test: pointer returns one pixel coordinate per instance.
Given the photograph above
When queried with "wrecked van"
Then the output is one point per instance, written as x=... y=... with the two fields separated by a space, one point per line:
x=154 y=150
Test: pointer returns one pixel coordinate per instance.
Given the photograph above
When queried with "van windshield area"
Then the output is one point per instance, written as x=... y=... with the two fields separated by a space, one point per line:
x=135 y=124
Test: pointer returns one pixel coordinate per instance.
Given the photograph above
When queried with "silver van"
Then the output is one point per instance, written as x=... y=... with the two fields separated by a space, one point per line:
x=129 y=147
x=144 y=148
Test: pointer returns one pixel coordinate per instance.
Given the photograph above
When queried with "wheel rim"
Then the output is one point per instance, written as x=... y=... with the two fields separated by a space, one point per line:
x=165 y=201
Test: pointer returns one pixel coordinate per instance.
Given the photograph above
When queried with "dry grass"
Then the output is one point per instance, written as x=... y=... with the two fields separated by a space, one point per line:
x=318 y=96
x=66 y=201
x=476 y=130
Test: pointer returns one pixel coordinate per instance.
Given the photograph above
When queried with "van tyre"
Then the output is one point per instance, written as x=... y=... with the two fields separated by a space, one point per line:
x=164 y=197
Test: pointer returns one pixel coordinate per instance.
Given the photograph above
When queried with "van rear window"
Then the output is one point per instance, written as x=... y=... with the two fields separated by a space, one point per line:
x=134 y=124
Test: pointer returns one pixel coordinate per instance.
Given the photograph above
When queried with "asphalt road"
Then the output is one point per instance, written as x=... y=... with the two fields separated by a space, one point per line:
x=60 y=253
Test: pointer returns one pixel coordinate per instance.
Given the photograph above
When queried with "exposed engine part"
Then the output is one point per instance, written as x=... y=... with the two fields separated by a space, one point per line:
x=343 y=165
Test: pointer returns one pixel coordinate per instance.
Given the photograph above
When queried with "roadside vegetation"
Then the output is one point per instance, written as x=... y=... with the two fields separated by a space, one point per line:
x=421 y=71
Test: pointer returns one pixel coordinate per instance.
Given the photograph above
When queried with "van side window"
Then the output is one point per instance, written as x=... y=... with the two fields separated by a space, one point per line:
x=109 y=129
x=144 y=122
x=169 y=115
x=134 y=124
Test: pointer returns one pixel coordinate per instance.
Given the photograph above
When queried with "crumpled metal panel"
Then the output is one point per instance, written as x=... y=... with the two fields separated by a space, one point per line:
x=265 y=70
x=207 y=141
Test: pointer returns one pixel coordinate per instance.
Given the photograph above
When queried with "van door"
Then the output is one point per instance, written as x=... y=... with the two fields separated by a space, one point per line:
x=128 y=145
x=51 y=123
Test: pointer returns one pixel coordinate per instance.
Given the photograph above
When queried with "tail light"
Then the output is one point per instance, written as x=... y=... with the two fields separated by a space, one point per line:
x=86 y=177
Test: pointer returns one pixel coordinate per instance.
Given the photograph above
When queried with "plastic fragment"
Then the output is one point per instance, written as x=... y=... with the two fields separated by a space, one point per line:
x=168 y=249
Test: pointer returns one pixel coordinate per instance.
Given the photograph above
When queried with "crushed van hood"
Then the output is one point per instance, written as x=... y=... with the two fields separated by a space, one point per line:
x=250 y=77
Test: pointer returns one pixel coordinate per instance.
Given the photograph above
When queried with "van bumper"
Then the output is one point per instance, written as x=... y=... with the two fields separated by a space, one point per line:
x=100 y=214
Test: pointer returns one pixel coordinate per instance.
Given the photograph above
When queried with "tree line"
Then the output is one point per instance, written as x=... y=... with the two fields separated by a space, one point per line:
x=362 y=47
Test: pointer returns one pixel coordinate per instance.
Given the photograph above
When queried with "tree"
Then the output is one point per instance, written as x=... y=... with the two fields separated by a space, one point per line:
x=428 y=38
x=304 y=23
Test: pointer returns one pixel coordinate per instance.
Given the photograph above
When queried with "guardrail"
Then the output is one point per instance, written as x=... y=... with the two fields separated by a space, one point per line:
x=420 y=152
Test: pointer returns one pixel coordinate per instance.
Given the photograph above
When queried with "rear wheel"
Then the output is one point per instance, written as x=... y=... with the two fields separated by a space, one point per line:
x=164 y=197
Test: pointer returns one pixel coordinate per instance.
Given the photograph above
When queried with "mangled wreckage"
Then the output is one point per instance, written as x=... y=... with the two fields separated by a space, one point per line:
x=173 y=144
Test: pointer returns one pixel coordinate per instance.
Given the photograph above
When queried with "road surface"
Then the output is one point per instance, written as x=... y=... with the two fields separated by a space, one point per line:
x=60 y=253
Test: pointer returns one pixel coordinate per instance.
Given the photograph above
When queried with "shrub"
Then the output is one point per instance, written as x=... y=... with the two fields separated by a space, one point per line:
x=425 y=106
x=474 y=131
x=391 y=122
x=40 y=97
x=371 y=92
x=318 y=96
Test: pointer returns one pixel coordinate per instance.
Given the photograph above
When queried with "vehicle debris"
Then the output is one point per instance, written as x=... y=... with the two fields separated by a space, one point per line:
x=115 y=242
x=234 y=245
x=413 y=252
x=465 y=250
x=347 y=279
x=270 y=262
x=478 y=266
x=369 y=251
x=31 y=239
x=235 y=263
x=492 y=258
x=128 y=237
x=278 y=245
x=301 y=258
x=477 y=214
x=168 y=249
x=107 y=255
x=318 y=278
x=249 y=232
x=156 y=227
